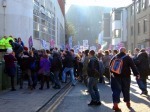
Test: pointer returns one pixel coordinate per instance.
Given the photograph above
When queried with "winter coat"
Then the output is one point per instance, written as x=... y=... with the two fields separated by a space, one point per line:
x=127 y=64
x=44 y=66
x=69 y=61
x=56 y=64
x=10 y=68
x=85 y=65
x=142 y=64
x=93 y=66
x=106 y=60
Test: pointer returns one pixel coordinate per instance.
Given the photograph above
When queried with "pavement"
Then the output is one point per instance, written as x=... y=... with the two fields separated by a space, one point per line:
x=25 y=100
x=77 y=99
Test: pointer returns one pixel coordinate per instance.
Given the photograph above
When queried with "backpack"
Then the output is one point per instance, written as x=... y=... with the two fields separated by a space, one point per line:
x=116 y=65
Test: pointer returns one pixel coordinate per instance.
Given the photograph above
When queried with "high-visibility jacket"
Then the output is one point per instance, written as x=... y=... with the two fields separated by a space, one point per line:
x=2 y=43
x=7 y=45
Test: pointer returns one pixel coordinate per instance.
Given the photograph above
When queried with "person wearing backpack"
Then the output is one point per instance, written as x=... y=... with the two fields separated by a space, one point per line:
x=93 y=75
x=120 y=78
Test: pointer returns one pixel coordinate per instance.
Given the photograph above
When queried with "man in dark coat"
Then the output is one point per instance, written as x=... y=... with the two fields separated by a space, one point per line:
x=121 y=82
x=17 y=48
x=143 y=68
x=93 y=75
x=68 y=60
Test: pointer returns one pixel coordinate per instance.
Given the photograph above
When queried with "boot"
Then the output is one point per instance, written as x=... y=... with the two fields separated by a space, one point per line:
x=116 y=108
x=128 y=104
x=92 y=103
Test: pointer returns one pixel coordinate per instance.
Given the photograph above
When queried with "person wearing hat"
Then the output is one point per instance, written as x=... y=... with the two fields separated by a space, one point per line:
x=10 y=68
x=17 y=48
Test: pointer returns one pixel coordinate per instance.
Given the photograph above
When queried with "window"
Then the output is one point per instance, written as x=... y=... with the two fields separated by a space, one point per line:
x=36 y=19
x=117 y=15
x=131 y=30
x=36 y=26
x=138 y=7
x=36 y=34
x=145 y=25
x=117 y=33
x=139 y=28
x=143 y=4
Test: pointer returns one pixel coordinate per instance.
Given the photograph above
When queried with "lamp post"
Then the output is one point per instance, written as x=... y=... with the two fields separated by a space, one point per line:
x=134 y=43
x=4 y=6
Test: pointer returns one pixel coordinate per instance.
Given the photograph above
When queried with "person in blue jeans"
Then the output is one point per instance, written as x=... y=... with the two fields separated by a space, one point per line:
x=69 y=67
x=121 y=82
x=93 y=66
x=56 y=67
x=143 y=67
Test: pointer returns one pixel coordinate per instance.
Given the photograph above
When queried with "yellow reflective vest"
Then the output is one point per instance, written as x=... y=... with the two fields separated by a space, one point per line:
x=2 y=43
x=7 y=45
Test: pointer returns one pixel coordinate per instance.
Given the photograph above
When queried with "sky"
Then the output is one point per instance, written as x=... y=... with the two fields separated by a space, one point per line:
x=106 y=3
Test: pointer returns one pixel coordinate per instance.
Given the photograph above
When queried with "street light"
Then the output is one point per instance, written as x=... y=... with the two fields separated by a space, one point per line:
x=134 y=43
x=4 y=4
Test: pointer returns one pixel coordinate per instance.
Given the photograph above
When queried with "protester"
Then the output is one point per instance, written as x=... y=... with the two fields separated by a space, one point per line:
x=143 y=68
x=120 y=82
x=44 y=70
x=10 y=68
x=85 y=67
x=24 y=61
x=69 y=64
x=18 y=49
x=106 y=60
x=93 y=74
x=20 y=42
x=56 y=67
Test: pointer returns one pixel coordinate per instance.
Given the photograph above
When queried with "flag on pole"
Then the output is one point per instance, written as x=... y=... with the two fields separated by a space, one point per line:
x=44 y=44
x=52 y=43
x=70 y=42
x=30 y=42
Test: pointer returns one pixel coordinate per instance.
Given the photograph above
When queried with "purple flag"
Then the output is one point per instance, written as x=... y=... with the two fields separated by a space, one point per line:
x=30 y=42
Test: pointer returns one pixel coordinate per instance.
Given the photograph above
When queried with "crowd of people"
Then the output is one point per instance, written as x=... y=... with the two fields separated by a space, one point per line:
x=88 y=67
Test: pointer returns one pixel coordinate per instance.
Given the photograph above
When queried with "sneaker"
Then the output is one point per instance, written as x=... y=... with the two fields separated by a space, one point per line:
x=92 y=103
x=13 y=89
x=116 y=109
x=128 y=104
x=73 y=85
x=98 y=103
x=40 y=88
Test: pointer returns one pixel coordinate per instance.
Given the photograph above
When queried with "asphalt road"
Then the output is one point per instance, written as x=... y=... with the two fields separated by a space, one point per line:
x=76 y=100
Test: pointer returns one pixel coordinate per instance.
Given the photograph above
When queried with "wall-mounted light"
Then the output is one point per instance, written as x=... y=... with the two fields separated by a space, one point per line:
x=4 y=4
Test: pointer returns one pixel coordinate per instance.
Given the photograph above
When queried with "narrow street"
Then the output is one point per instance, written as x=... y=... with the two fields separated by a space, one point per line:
x=77 y=99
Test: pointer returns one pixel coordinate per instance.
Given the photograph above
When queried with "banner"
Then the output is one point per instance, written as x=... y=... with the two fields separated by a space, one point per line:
x=85 y=43
x=44 y=44
x=52 y=43
x=70 y=42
